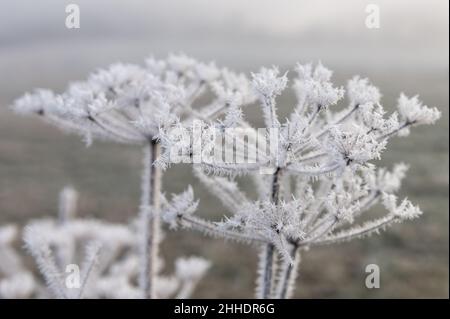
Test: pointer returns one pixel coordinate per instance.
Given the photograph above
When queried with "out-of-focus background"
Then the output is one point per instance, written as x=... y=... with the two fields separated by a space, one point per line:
x=409 y=53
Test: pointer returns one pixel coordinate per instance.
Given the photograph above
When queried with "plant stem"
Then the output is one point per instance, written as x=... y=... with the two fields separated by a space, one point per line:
x=266 y=274
x=288 y=275
x=151 y=189
x=401 y=127
x=269 y=253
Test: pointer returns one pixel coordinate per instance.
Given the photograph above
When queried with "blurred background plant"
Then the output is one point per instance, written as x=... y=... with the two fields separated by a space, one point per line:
x=106 y=258
x=409 y=52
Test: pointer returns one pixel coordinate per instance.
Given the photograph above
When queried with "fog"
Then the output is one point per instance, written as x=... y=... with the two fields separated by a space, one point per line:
x=242 y=34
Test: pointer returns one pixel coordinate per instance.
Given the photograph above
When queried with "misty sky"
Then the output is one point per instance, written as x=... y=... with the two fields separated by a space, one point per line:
x=407 y=18
x=241 y=33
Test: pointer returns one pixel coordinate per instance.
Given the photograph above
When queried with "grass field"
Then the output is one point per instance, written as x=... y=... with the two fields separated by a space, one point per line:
x=37 y=160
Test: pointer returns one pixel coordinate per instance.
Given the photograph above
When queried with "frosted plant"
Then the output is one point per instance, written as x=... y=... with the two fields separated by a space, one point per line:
x=315 y=182
x=39 y=246
x=314 y=171
x=129 y=104
x=108 y=255
x=15 y=280
x=190 y=270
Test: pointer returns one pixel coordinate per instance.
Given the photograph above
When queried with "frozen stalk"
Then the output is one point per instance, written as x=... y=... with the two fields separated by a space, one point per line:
x=68 y=198
x=151 y=219
x=268 y=255
x=288 y=275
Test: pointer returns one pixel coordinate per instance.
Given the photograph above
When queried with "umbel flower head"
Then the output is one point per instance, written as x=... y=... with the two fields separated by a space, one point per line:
x=323 y=176
x=413 y=112
x=129 y=103
x=314 y=140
